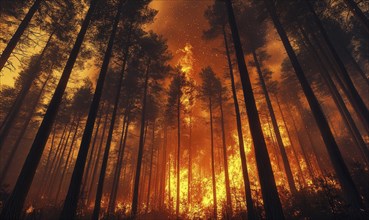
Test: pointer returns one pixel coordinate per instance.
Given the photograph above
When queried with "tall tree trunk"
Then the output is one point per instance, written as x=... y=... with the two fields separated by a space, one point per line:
x=350 y=86
x=212 y=160
x=47 y=163
x=100 y=185
x=122 y=144
x=339 y=165
x=14 y=148
x=272 y=204
x=97 y=159
x=358 y=13
x=18 y=34
x=13 y=207
x=150 y=167
x=275 y=148
x=178 y=148
x=346 y=116
x=68 y=158
x=307 y=130
x=301 y=174
x=71 y=200
x=225 y=159
x=340 y=81
x=286 y=163
x=299 y=141
x=8 y=122
x=189 y=164
x=93 y=152
x=140 y=146
x=49 y=168
x=249 y=203
x=56 y=170
x=164 y=166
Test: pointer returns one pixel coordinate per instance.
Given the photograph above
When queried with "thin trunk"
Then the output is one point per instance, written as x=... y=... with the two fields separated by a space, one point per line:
x=272 y=204
x=350 y=86
x=178 y=147
x=48 y=170
x=212 y=161
x=122 y=144
x=12 y=208
x=140 y=146
x=14 y=148
x=47 y=163
x=18 y=34
x=225 y=159
x=67 y=160
x=249 y=203
x=164 y=166
x=346 y=116
x=169 y=185
x=55 y=171
x=358 y=13
x=301 y=174
x=339 y=81
x=104 y=164
x=150 y=167
x=304 y=153
x=307 y=130
x=275 y=148
x=286 y=163
x=9 y=120
x=93 y=152
x=97 y=159
x=339 y=165
x=71 y=200
x=189 y=164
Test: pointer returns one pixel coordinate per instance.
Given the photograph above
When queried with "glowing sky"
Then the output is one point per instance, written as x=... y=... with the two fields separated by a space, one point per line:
x=183 y=21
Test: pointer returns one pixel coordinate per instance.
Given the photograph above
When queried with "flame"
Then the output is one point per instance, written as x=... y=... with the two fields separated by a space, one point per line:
x=187 y=60
x=201 y=196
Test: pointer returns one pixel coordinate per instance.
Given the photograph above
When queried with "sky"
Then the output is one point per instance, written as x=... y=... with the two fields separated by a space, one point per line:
x=182 y=22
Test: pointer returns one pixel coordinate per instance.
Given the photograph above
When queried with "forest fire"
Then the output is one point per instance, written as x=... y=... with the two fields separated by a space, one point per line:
x=114 y=109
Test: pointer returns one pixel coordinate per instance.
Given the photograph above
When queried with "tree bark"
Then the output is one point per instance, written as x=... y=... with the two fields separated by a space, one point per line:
x=15 y=147
x=140 y=146
x=150 y=167
x=178 y=147
x=339 y=165
x=122 y=144
x=95 y=215
x=212 y=160
x=347 y=80
x=93 y=152
x=286 y=163
x=345 y=114
x=71 y=201
x=13 y=207
x=16 y=107
x=97 y=159
x=67 y=160
x=225 y=159
x=48 y=169
x=272 y=204
x=249 y=203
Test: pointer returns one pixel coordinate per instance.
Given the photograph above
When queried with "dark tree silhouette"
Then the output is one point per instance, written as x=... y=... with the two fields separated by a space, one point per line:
x=272 y=204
